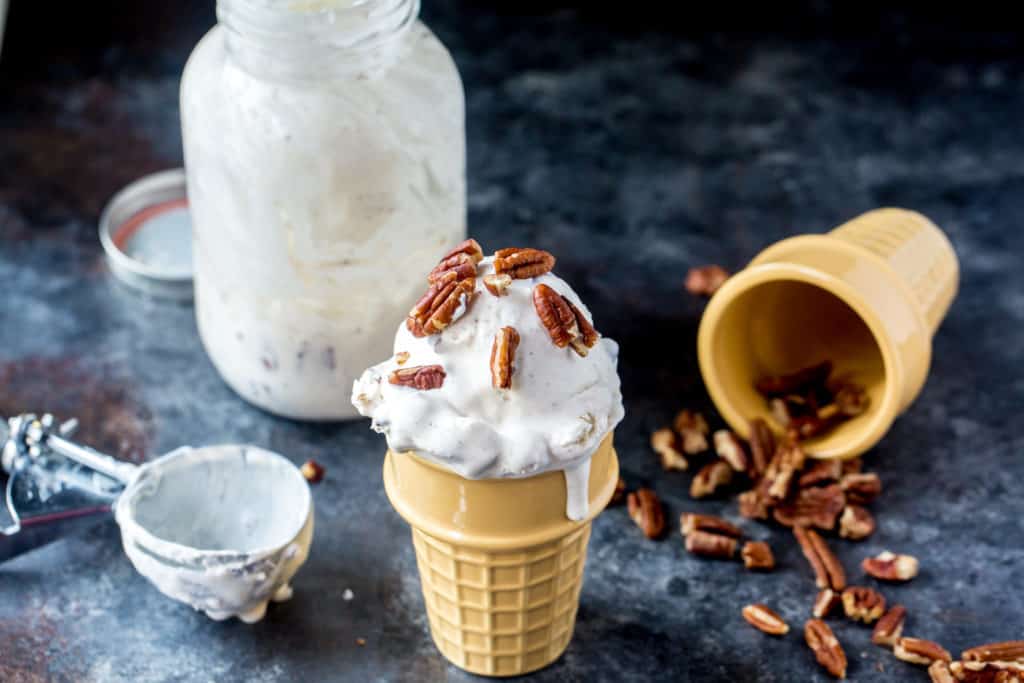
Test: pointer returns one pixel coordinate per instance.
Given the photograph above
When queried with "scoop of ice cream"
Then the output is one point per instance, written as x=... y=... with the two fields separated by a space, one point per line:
x=559 y=407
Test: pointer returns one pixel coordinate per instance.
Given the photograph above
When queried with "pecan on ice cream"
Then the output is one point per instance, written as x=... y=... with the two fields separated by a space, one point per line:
x=422 y=377
x=497 y=284
x=503 y=354
x=556 y=316
x=441 y=305
x=523 y=263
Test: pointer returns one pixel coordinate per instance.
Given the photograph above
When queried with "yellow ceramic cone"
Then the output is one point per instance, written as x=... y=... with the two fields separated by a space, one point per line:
x=868 y=296
x=500 y=563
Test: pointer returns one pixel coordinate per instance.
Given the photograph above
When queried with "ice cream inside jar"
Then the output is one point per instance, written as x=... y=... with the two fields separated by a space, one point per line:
x=498 y=373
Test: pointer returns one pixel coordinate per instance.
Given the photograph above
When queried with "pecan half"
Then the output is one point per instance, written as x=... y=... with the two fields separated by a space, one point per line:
x=988 y=672
x=889 y=628
x=1007 y=651
x=920 y=651
x=821 y=472
x=470 y=248
x=663 y=442
x=705 y=280
x=710 y=479
x=711 y=545
x=503 y=354
x=828 y=572
x=801 y=381
x=757 y=556
x=462 y=265
x=762 y=446
x=693 y=430
x=826 y=647
x=765 y=620
x=690 y=522
x=497 y=284
x=888 y=566
x=730 y=449
x=645 y=509
x=861 y=488
x=863 y=604
x=753 y=505
x=523 y=264
x=826 y=601
x=556 y=316
x=939 y=672
x=422 y=377
x=619 y=494
x=789 y=459
x=816 y=506
x=856 y=523
x=588 y=336
x=440 y=306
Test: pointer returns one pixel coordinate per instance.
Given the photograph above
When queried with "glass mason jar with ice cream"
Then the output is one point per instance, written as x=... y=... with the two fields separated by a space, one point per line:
x=325 y=157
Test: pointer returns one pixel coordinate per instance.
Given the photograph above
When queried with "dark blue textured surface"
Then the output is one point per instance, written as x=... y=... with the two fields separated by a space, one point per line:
x=630 y=152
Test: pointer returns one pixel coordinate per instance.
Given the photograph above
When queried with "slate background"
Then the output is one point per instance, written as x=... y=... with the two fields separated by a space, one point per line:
x=631 y=144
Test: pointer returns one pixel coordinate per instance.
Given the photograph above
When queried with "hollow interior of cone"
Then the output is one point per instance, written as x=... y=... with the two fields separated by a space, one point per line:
x=782 y=326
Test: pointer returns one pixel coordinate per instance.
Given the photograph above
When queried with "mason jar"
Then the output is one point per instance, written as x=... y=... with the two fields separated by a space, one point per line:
x=325 y=160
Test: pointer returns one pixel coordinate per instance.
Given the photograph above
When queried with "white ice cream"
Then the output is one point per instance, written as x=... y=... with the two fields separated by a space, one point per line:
x=554 y=417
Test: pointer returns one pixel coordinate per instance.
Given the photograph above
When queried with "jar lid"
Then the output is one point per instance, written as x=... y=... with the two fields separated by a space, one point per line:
x=146 y=230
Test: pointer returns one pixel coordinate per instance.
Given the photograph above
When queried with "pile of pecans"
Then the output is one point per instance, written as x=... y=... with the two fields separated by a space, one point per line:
x=812 y=497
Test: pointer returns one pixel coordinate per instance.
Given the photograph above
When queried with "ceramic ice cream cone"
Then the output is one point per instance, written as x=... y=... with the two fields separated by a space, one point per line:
x=867 y=296
x=500 y=563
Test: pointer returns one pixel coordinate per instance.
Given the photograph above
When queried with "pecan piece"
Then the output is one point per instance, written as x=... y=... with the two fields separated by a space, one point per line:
x=523 y=264
x=765 y=620
x=863 y=604
x=645 y=509
x=705 y=280
x=730 y=449
x=795 y=383
x=588 y=336
x=619 y=494
x=470 y=248
x=711 y=545
x=888 y=566
x=856 y=523
x=497 y=284
x=920 y=651
x=762 y=446
x=826 y=601
x=693 y=430
x=861 y=488
x=757 y=556
x=402 y=357
x=828 y=572
x=988 y=672
x=690 y=522
x=710 y=479
x=826 y=647
x=422 y=377
x=312 y=471
x=940 y=672
x=889 y=628
x=816 y=506
x=440 y=306
x=821 y=472
x=851 y=400
x=753 y=505
x=503 y=354
x=556 y=316
x=1007 y=651
x=663 y=442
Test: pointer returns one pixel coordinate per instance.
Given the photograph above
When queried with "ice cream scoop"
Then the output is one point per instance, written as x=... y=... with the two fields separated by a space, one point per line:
x=221 y=528
x=557 y=408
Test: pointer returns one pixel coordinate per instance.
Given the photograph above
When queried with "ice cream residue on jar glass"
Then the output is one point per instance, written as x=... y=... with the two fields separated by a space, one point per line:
x=498 y=372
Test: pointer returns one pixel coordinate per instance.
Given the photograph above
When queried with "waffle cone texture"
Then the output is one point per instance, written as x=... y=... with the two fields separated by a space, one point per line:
x=500 y=564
